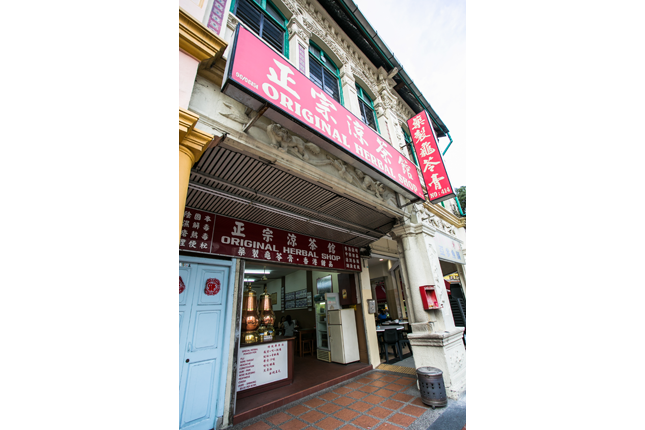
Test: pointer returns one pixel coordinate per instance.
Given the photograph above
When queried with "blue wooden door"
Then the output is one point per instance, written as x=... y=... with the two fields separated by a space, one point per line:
x=186 y=290
x=204 y=334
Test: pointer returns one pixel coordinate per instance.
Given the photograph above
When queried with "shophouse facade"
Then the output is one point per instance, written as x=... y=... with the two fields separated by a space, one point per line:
x=245 y=161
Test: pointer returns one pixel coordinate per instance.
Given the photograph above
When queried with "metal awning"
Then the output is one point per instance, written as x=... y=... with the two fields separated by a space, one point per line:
x=232 y=184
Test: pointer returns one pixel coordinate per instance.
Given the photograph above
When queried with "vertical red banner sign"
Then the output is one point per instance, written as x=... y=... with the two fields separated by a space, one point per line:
x=430 y=160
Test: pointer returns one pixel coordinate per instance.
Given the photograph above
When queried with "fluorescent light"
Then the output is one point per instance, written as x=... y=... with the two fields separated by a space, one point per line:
x=256 y=272
x=249 y=280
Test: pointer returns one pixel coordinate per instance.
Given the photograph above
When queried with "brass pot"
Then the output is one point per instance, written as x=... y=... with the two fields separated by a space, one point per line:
x=250 y=320
x=267 y=317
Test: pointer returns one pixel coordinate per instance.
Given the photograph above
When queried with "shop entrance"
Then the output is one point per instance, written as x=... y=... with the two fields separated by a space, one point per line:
x=306 y=297
x=387 y=288
x=205 y=301
x=456 y=293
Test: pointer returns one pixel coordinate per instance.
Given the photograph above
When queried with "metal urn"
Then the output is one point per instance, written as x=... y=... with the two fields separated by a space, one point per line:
x=250 y=320
x=267 y=317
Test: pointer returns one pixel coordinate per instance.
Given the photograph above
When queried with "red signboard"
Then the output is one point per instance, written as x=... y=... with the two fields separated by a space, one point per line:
x=430 y=160
x=216 y=234
x=256 y=74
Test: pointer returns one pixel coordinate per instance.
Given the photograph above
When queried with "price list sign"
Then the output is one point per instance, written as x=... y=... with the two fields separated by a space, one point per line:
x=262 y=364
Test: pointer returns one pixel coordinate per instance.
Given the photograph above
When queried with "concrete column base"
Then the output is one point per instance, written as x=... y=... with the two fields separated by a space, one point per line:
x=444 y=351
x=423 y=327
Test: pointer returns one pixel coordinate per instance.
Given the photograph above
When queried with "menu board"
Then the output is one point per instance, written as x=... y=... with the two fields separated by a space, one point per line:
x=297 y=299
x=262 y=364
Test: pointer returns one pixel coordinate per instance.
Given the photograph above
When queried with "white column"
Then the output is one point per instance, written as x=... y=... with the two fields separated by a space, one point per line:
x=399 y=291
x=370 y=325
x=348 y=87
x=298 y=44
x=461 y=270
x=435 y=341
x=414 y=263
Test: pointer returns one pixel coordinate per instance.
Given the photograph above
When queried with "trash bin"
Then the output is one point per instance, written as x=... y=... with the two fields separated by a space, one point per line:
x=433 y=391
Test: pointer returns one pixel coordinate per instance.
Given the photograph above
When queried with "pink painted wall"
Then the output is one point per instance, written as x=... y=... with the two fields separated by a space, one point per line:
x=187 y=72
x=194 y=7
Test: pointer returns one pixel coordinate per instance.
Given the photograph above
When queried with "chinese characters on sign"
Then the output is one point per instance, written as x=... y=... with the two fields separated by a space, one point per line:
x=196 y=231
x=262 y=364
x=259 y=70
x=429 y=156
x=217 y=234
x=449 y=249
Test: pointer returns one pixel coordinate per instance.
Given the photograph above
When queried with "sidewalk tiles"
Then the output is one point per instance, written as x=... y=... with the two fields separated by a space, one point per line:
x=375 y=400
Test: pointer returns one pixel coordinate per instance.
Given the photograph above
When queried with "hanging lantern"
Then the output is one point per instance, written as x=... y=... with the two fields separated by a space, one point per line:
x=212 y=287
x=182 y=287
x=250 y=321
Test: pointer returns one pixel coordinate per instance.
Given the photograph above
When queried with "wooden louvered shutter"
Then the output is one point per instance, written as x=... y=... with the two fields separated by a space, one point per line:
x=273 y=34
x=249 y=15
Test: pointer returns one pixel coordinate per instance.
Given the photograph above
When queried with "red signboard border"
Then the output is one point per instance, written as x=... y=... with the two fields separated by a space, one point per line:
x=302 y=266
x=416 y=151
x=275 y=114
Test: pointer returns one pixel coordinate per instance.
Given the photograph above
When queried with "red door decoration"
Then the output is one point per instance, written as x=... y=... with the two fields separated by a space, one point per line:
x=182 y=287
x=212 y=287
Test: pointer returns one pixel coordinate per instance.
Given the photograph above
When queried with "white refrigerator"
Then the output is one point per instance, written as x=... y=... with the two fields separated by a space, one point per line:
x=343 y=339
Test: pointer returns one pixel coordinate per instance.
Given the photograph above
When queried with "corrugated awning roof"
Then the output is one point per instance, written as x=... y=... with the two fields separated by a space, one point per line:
x=238 y=186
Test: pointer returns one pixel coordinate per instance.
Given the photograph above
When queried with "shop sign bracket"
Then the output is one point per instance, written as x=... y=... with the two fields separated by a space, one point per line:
x=256 y=117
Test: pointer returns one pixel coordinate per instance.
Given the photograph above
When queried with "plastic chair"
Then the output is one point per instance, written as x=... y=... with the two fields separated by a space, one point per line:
x=390 y=337
x=403 y=340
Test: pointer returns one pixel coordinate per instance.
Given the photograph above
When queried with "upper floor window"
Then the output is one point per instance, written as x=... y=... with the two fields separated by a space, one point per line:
x=367 y=108
x=410 y=145
x=323 y=72
x=265 y=20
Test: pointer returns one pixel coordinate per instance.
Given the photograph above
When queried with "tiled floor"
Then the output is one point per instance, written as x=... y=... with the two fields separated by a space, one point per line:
x=310 y=376
x=377 y=399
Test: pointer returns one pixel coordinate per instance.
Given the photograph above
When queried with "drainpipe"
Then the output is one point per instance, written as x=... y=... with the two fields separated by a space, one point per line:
x=459 y=206
x=446 y=150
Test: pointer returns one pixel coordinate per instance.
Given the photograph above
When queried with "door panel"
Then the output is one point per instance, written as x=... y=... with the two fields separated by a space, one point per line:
x=336 y=343
x=185 y=273
x=334 y=317
x=202 y=350
x=212 y=281
x=206 y=330
x=198 y=394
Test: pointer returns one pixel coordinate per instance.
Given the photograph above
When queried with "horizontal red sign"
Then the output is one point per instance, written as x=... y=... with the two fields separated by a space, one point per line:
x=430 y=160
x=260 y=70
x=216 y=234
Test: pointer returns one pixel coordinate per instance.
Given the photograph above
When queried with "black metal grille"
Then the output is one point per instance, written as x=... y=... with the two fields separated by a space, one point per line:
x=257 y=21
x=324 y=79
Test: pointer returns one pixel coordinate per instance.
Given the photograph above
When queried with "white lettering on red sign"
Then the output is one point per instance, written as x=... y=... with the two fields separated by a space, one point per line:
x=259 y=69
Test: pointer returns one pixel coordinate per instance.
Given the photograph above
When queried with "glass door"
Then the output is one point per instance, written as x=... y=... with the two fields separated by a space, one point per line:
x=321 y=326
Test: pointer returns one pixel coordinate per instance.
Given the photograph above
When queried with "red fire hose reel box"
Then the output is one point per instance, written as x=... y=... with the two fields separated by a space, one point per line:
x=428 y=297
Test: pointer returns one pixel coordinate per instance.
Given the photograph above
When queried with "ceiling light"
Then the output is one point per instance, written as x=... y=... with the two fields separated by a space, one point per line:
x=256 y=272
x=380 y=259
x=249 y=280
